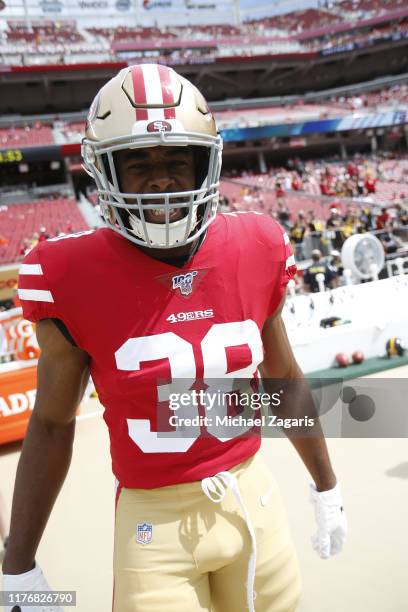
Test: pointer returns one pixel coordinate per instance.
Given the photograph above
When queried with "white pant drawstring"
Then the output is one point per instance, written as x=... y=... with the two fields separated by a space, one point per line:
x=215 y=488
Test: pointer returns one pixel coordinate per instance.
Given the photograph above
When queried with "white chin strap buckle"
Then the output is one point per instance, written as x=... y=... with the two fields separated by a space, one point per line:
x=215 y=488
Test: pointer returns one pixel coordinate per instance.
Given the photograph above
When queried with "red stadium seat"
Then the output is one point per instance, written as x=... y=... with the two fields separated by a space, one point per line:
x=20 y=221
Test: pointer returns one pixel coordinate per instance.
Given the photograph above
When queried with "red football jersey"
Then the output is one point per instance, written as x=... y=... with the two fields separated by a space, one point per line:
x=151 y=329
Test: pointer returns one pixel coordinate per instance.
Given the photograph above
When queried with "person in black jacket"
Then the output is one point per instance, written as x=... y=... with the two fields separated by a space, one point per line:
x=319 y=266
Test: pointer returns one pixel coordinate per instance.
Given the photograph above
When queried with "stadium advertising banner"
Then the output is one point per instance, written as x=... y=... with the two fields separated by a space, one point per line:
x=19 y=353
x=18 y=372
x=350 y=122
x=8 y=281
x=153 y=12
x=17 y=396
x=371 y=42
x=63 y=8
x=130 y=13
x=17 y=337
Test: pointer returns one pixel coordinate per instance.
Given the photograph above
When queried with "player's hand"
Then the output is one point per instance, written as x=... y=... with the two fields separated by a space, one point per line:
x=33 y=580
x=331 y=521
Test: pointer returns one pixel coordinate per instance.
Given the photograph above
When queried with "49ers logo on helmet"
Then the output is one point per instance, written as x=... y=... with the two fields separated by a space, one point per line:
x=159 y=126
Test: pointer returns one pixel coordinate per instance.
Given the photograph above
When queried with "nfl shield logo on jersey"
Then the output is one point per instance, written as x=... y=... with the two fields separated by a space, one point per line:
x=144 y=533
x=184 y=282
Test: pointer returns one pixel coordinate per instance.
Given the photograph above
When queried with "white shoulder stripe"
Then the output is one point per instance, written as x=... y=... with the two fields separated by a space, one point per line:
x=285 y=238
x=35 y=295
x=34 y=269
x=67 y=236
x=290 y=261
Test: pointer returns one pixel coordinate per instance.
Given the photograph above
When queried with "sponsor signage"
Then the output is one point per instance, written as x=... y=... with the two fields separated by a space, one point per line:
x=17 y=396
x=51 y=6
x=353 y=121
x=8 y=278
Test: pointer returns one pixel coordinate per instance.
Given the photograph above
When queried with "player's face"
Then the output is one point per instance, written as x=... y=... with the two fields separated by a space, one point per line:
x=157 y=170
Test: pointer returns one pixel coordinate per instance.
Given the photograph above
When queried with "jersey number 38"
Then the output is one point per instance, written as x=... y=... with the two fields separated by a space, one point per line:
x=180 y=355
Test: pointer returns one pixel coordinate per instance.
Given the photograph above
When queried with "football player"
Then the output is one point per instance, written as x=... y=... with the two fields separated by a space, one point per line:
x=199 y=519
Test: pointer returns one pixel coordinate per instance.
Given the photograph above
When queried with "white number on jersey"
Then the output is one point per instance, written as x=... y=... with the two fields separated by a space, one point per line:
x=183 y=369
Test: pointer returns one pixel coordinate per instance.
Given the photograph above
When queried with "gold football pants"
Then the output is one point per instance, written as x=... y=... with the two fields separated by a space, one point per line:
x=178 y=551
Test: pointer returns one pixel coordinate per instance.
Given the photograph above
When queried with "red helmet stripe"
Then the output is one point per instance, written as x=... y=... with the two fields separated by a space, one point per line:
x=167 y=91
x=139 y=92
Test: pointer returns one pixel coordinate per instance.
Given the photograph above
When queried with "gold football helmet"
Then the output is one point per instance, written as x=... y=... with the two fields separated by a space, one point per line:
x=150 y=105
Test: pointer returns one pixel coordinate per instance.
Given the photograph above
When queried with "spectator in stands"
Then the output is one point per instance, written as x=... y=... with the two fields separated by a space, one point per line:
x=360 y=187
x=279 y=193
x=43 y=234
x=351 y=222
x=340 y=187
x=327 y=183
x=382 y=219
x=296 y=183
x=350 y=188
x=319 y=266
x=297 y=233
x=325 y=188
x=315 y=228
x=336 y=267
x=350 y=212
x=390 y=242
x=334 y=224
x=349 y=227
x=370 y=182
x=352 y=169
x=402 y=216
x=366 y=220
x=283 y=215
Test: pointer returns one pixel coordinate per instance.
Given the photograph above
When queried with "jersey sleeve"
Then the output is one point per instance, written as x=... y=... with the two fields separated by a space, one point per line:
x=278 y=251
x=34 y=288
x=290 y=268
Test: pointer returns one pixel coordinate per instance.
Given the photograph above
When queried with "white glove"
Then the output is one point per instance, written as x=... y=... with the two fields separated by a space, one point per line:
x=331 y=521
x=33 y=580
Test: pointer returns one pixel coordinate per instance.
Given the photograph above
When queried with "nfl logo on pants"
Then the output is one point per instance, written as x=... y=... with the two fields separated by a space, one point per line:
x=144 y=533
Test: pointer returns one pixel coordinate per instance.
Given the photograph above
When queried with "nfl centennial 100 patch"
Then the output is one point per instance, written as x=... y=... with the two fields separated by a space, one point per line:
x=184 y=282
x=144 y=533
